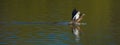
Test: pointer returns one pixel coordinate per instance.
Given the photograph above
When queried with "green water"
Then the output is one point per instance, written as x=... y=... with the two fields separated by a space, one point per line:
x=102 y=18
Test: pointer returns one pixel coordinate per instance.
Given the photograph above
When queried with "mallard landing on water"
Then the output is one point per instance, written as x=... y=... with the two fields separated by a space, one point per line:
x=76 y=17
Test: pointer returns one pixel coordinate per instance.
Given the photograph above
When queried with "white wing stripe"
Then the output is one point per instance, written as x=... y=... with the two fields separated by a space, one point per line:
x=76 y=16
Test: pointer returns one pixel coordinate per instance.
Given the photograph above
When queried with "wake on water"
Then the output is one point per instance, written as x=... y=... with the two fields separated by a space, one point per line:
x=51 y=23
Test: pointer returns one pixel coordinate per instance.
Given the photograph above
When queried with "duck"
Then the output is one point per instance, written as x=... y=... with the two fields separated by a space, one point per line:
x=77 y=16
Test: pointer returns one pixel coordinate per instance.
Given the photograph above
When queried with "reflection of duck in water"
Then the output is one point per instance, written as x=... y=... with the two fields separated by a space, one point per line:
x=76 y=31
x=76 y=17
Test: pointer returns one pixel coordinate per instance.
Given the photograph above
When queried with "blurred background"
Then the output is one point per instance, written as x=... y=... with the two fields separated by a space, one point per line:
x=102 y=18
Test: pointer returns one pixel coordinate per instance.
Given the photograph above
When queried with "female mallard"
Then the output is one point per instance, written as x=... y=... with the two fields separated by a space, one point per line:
x=76 y=17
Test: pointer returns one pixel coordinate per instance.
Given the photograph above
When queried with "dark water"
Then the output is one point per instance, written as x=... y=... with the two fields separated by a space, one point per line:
x=45 y=22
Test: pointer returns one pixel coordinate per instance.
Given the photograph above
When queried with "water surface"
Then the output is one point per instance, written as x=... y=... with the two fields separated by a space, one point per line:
x=44 y=22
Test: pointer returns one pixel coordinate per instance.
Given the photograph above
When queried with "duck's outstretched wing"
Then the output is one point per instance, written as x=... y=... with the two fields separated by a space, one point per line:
x=75 y=14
